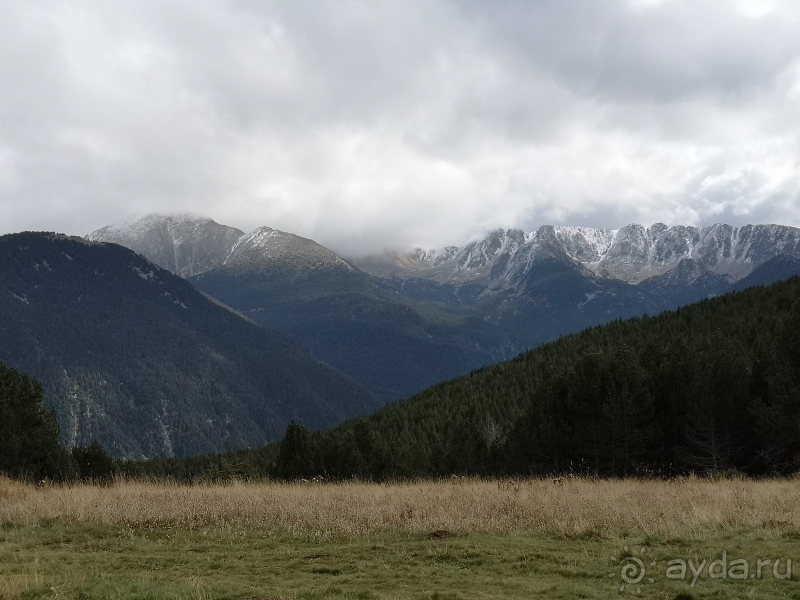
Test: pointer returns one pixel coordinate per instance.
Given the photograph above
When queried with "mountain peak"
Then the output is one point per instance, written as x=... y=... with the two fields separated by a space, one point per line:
x=268 y=247
x=183 y=243
x=147 y=222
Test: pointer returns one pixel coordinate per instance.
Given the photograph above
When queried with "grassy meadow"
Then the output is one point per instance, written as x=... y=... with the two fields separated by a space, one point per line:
x=454 y=539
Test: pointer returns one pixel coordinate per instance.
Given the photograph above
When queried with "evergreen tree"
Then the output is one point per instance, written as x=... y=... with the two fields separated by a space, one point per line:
x=296 y=455
x=29 y=445
x=93 y=463
x=627 y=414
x=778 y=415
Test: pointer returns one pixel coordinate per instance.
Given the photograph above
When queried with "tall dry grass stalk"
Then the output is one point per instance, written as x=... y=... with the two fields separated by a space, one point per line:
x=570 y=507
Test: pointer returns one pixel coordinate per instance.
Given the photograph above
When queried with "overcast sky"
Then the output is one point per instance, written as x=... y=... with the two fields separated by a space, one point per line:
x=374 y=123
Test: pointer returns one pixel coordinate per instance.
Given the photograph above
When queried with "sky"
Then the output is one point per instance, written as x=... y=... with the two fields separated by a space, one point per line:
x=391 y=124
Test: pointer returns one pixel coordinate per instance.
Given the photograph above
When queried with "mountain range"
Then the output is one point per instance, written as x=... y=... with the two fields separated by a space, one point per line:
x=210 y=339
x=389 y=342
x=189 y=245
x=399 y=322
x=136 y=357
x=631 y=254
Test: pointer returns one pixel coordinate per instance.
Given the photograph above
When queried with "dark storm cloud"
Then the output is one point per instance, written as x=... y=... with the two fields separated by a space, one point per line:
x=366 y=124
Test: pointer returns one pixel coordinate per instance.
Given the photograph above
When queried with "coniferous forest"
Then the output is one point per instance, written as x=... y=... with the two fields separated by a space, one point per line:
x=709 y=388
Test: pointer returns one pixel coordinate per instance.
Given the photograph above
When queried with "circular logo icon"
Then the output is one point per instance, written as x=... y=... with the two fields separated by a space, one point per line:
x=631 y=569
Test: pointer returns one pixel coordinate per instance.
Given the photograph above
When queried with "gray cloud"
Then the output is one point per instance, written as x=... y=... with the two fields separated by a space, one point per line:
x=662 y=52
x=372 y=124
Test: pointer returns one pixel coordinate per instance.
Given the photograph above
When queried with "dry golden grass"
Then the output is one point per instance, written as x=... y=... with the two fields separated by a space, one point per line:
x=685 y=508
x=11 y=490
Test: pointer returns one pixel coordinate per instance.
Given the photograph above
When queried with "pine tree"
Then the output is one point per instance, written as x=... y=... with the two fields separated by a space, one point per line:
x=29 y=445
x=628 y=414
x=778 y=415
x=94 y=464
x=296 y=456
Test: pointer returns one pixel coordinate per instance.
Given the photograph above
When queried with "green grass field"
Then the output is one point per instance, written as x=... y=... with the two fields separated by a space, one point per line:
x=71 y=544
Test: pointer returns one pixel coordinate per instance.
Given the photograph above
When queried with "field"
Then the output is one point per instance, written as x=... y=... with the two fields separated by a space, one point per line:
x=453 y=539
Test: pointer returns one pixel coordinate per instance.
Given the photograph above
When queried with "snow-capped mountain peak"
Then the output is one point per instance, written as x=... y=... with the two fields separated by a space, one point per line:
x=266 y=245
x=190 y=245
x=182 y=243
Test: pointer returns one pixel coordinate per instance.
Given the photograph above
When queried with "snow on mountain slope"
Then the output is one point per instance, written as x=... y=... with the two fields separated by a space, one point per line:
x=187 y=245
x=632 y=254
x=269 y=247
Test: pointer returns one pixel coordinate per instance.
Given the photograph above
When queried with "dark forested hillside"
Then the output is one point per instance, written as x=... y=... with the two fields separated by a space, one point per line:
x=781 y=267
x=135 y=357
x=710 y=387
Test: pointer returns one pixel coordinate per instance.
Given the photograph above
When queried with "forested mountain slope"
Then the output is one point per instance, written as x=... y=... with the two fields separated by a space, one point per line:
x=710 y=387
x=135 y=357
x=715 y=385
